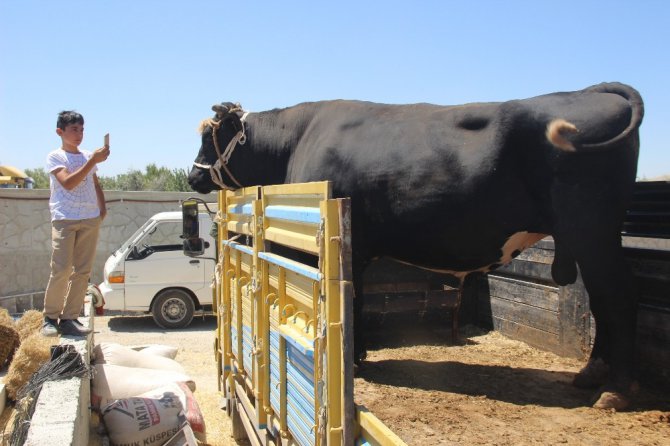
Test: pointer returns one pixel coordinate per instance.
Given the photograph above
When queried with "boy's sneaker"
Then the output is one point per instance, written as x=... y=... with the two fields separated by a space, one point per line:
x=79 y=324
x=50 y=327
x=72 y=327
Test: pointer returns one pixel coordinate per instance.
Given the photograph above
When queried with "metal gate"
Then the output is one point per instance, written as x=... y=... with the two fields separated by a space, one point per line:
x=284 y=310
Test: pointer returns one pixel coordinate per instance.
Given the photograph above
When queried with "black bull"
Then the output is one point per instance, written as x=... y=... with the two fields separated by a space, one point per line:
x=464 y=188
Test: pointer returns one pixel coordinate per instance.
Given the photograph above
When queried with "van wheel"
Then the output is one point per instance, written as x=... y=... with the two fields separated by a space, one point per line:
x=173 y=308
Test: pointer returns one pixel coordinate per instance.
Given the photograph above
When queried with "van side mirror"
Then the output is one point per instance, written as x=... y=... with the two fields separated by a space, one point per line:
x=189 y=214
x=194 y=247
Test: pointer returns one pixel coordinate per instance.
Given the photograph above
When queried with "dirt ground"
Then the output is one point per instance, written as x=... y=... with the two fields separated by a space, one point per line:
x=491 y=390
x=488 y=390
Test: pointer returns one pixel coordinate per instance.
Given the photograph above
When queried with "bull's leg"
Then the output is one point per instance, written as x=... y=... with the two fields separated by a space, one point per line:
x=609 y=283
x=595 y=372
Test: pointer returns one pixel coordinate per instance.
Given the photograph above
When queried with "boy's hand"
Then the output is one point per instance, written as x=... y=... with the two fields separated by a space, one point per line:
x=100 y=154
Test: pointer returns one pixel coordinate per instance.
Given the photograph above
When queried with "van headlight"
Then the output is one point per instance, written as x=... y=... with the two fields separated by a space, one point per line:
x=116 y=277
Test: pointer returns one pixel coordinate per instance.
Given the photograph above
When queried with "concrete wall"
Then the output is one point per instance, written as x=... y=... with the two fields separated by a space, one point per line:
x=25 y=237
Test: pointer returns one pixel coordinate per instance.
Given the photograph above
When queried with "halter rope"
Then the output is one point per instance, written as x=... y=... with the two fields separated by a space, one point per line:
x=222 y=160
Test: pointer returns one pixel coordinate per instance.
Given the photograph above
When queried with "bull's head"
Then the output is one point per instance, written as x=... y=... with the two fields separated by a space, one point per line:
x=220 y=136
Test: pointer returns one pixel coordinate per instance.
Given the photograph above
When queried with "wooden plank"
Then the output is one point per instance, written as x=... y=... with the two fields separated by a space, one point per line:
x=653 y=338
x=373 y=431
x=294 y=235
x=576 y=327
x=537 y=255
x=418 y=302
x=546 y=243
x=238 y=226
x=654 y=292
x=533 y=317
x=347 y=311
x=523 y=292
x=648 y=266
x=395 y=287
x=530 y=270
x=654 y=326
x=654 y=359
x=332 y=290
x=319 y=188
x=532 y=336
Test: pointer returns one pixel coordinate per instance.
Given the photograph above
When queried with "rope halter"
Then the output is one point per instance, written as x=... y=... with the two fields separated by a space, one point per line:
x=240 y=138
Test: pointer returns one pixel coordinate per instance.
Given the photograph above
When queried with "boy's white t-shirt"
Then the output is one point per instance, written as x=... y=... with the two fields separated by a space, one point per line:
x=79 y=203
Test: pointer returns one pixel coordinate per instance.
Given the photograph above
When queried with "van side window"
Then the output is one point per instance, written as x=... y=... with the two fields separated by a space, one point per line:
x=166 y=236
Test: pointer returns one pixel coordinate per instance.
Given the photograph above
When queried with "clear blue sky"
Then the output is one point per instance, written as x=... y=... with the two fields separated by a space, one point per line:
x=148 y=71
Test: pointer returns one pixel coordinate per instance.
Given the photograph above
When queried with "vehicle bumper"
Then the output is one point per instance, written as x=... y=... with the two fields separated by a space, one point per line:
x=113 y=296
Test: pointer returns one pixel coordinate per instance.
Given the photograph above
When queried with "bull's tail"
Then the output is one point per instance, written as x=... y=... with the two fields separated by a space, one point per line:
x=557 y=128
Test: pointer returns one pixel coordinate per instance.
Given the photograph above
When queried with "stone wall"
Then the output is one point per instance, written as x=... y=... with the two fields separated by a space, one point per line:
x=25 y=237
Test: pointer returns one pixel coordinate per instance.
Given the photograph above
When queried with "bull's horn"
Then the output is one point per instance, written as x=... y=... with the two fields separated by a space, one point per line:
x=555 y=131
x=220 y=110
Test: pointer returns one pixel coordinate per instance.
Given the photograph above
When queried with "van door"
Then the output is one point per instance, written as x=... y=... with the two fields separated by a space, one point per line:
x=157 y=262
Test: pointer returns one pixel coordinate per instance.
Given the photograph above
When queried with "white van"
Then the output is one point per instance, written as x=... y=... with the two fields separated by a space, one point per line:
x=150 y=273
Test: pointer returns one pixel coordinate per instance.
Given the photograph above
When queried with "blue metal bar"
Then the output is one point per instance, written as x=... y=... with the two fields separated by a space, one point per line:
x=242 y=208
x=238 y=246
x=299 y=424
x=299 y=268
x=297 y=393
x=300 y=214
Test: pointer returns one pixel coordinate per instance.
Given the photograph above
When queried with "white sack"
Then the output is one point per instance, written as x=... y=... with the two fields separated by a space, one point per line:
x=113 y=382
x=167 y=351
x=188 y=402
x=142 y=421
x=117 y=354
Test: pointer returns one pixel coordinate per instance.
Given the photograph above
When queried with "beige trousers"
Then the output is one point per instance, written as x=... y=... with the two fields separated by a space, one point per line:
x=73 y=244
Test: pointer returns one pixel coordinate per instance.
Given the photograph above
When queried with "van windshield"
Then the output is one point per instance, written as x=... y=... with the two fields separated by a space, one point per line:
x=136 y=236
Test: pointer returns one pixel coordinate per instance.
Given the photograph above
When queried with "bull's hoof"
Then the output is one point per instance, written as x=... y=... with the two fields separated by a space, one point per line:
x=612 y=401
x=593 y=375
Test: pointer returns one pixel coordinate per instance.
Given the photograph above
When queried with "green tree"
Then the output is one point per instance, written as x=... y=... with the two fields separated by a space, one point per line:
x=153 y=178
x=40 y=177
x=133 y=180
x=179 y=181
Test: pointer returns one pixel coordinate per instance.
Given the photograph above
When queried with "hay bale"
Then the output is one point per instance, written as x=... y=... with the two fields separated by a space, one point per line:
x=30 y=323
x=9 y=342
x=34 y=351
x=5 y=317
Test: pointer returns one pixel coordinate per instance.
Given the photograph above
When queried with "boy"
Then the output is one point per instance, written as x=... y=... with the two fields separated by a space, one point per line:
x=77 y=206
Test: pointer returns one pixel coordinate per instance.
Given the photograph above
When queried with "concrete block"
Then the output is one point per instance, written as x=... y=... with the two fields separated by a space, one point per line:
x=62 y=415
x=62 y=412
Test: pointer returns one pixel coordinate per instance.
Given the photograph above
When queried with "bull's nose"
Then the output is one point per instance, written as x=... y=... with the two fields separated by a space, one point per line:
x=198 y=186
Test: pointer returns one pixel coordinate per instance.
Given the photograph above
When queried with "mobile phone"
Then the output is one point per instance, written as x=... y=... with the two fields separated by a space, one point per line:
x=107 y=140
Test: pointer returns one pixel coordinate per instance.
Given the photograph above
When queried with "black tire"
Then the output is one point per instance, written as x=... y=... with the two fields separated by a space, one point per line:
x=173 y=308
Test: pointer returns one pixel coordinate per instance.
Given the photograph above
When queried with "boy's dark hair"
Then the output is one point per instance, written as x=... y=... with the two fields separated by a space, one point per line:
x=68 y=117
